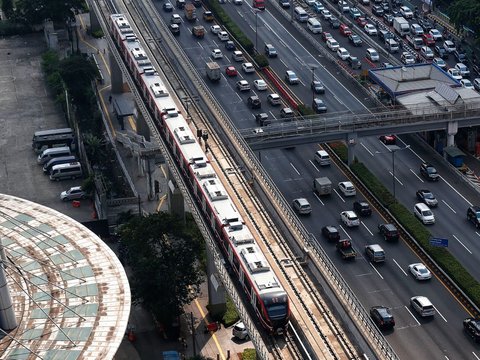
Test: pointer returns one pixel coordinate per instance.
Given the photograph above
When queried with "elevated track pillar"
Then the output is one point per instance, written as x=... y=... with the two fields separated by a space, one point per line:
x=217 y=304
x=176 y=203
x=116 y=78
x=452 y=129
x=351 y=142
x=94 y=23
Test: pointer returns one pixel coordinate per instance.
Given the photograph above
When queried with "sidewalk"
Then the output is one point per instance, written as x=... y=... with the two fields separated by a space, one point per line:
x=149 y=343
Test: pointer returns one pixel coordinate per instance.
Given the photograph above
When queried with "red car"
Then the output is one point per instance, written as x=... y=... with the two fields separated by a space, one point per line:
x=361 y=21
x=428 y=39
x=388 y=139
x=231 y=71
x=345 y=30
x=326 y=36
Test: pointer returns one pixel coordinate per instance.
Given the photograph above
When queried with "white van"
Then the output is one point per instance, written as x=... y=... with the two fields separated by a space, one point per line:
x=300 y=14
x=66 y=171
x=49 y=154
x=314 y=25
x=322 y=158
x=424 y=214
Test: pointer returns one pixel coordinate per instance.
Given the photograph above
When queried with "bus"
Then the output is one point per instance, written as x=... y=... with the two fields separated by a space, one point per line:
x=46 y=139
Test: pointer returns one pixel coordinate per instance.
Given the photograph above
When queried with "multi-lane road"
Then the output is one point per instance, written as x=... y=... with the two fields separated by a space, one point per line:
x=294 y=170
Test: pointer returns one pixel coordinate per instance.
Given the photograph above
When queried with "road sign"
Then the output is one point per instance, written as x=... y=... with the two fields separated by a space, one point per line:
x=439 y=242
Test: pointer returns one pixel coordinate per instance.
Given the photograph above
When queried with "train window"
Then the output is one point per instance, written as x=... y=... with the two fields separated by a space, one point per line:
x=259 y=307
x=236 y=264
x=248 y=288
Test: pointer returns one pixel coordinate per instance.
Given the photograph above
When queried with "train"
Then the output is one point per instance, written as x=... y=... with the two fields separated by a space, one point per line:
x=261 y=286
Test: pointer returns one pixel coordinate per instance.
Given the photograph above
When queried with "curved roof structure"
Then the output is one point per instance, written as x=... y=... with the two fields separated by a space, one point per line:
x=70 y=293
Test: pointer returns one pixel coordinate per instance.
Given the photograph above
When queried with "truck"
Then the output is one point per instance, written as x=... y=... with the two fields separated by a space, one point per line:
x=322 y=186
x=401 y=26
x=190 y=13
x=346 y=250
x=415 y=42
x=213 y=71
x=198 y=31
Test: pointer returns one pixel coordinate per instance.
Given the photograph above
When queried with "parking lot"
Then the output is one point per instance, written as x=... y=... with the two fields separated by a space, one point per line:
x=26 y=108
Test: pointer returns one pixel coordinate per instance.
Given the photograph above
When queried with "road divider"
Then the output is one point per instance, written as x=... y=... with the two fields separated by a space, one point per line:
x=278 y=84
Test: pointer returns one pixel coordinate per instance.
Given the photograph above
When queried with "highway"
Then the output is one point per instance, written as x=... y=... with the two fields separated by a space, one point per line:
x=293 y=172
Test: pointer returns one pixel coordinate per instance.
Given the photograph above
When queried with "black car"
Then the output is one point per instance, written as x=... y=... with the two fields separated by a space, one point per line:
x=427 y=197
x=382 y=317
x=425 y=24
x=386 y=7
x=168 y=7
x=230 y=45
x=331 y=233
x=355 y=40
x=460 y=56
x=334 y=22
x=377 y=10
x=319 y=106
x=472 y=328
x=388 y=19
x=284 y=3
x=473 y=215
x=174 y=28
x=262 y=119
x=440 y=52
x=429 y=172
x=354 y=62
x=389 y=232
x=362 y=208
x=318 y=87
x=197 y=3
x=254 y=102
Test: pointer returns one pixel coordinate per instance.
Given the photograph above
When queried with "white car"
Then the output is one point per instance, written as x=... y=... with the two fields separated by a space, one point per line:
x=467 y=84
x=406 y=12
x=343 y=53
x=422 y=306
x=420 y=271
x=370 y=29
x=454 y=73
x=407 y=58
x=73 y=193
x=216 y=54
x=332 y=44
x=223 y=36
x=476 y=84
x=240 y=331
x=449 y=46
x=176 y=19
x=349 y=218
x=326 y=14
x=440 y=62
x=347 y=188
x=462 y=69
x=248 y=67
x=260 y=84
x=215 y=29
x=426 y=52
x=243 y=85
x=437 y=35
x=343 y=6
x=372 y=54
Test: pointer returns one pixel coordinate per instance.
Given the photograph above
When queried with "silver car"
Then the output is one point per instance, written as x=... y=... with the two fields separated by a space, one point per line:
x=73 y=193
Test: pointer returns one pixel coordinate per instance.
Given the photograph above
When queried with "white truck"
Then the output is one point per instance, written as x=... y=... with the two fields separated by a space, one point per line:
x=401 y=26
x=322 y=186
x=213 y=71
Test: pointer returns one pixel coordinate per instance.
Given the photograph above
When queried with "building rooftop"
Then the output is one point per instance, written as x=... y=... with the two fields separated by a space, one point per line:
x=70 y=293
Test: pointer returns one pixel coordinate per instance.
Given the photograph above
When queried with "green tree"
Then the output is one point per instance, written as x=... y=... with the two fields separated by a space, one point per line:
x=164 y=258
x=466 y=12
x=7 y=7
x=36 y=11
x=95 y=149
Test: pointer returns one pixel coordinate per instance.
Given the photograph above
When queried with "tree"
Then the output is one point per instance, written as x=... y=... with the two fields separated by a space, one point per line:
x=7 y=7
x=37 y=11
x=466 y=12
x=164 y=257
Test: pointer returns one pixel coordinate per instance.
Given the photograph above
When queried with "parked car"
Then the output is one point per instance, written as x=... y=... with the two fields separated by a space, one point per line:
x=73 y=193
x=240 y=331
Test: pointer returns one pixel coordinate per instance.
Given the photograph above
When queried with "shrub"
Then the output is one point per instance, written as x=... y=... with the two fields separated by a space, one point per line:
x=305 y=110
x=97 y=34
x=249 y=354
x=231 y=316
x=261 y=60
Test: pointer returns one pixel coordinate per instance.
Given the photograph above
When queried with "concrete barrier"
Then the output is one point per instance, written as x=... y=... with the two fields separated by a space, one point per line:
x=273 y=78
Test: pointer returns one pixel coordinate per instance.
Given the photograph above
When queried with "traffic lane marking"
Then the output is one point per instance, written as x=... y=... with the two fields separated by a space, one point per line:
x=366 y=149
x=461 y=243
x=366 y=227
x=418 y=322
x=395 y=261
x=294 y=168
x=311 y=162
x=449 y=206
x=439 y=313
x=318 y=198
x=345 y=231
x=340 y=196
x=374 y=268
x=418 y=177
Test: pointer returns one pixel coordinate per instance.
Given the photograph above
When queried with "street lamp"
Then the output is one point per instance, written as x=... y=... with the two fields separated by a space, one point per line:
x=393 y=151
x=313 y=67
x=256 y=30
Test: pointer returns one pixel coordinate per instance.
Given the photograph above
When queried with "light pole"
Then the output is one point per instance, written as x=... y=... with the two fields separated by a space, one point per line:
x=313 y=67
x=256 y=30
x=393 y=151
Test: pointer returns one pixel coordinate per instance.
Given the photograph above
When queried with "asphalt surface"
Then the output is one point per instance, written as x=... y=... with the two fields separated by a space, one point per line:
x=293 y=172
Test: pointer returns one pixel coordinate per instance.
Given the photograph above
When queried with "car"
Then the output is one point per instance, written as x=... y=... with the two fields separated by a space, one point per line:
x=377 y=10
x=476 y=84
x=216 y=54
x=388 y=139
x=426 y=52
x=462 y=69
x=422 y=306
x=454 y=73
x=424 y=214
x=355 y=13
x=230 y=45
x=407 y=58
x=375 y=253
x=215 y=29
x=440 y=52
x=240 y=331
x=416 y=30
x=243 y=85
x=425 y=24
x=388 y=18
x=353 y=62
x=236 y=2
x=73 y=193
x=309 y=2
x=389 y=232
x=254 y=102
x=428 y=39
x=449 y=46
x=361 y=21
x=197 y=3
x=349 y=218
x=345 y=30
x=248 y=68
x=318 y=87
x=291 y=77
x=343 y=6
x=386 y=65
x=319 y=105
x=460 y=56
x=334 y=22
x=274 y=99
x=287 y=113
x=467 y=84
x=370 y=29
x=284 y=3
x=326 y=14
x=472 y=328
x=326 y=36
x=427 y=197
x=473 y=215
x=406 y=12
x=260 y=84
x=332 y=44
x=362 y=208
x=318 y=7
x=331 y=233
x=262 y=119
x=382 y=317
x=355 y=40
x=384 y=35
x=302 y=206
x=343 y=53
x=175 y=29
x=270 y=50
x=231 y=71
x=429 y=172
x=347 y=188
x=439 y=62
x=175 y=19
x=372 y=54
x=437 y=35
x=180 y=4
x=420 y=271
x=167 y=7
x=223 y=36
x=208 y=16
